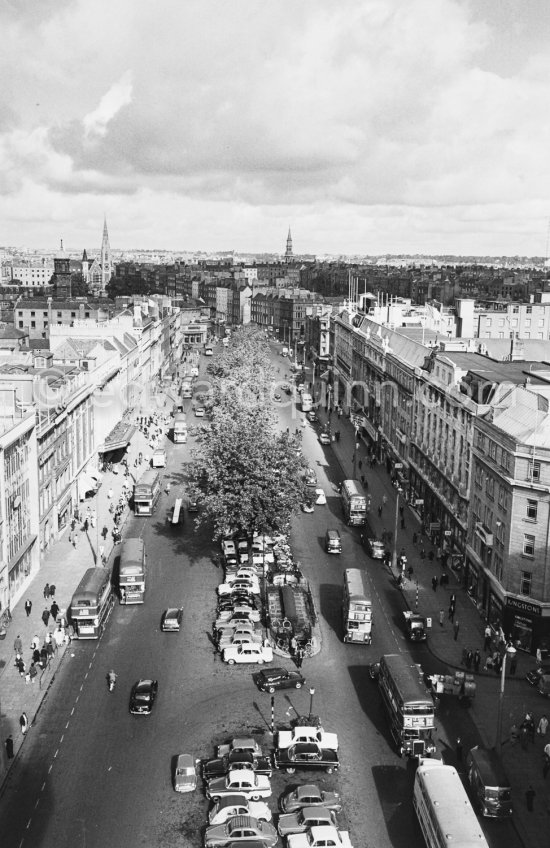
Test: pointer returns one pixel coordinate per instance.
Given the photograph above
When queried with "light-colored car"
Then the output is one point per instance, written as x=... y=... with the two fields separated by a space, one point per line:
x=199 y=412
x=185 y=774
x=243 y=572
x=303 y=819
x=320 y=497
x=309 y=795
x=239 y=609
x=248 y=654
x=320 y=837
x=238 y=805
x=250 y=585
x=242 y=636
x=241 y=830
x=324 y=438
x=240 y=782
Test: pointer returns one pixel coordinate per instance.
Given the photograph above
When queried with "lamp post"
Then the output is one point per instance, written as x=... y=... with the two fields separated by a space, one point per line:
x=311 y=694
x=510 y=651
x=394 y=557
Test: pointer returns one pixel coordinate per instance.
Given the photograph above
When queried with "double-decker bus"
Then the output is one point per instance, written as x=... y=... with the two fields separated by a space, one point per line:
x=356 y=608
x=91 y=603
x=444 y=812
x=307 y=402
x=354 y=502
x=180 y=427
x=409 y=705
x=131 y=574
x=147 y=492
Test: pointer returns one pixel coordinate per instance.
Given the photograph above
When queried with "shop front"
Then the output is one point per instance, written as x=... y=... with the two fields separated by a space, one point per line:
x=527 y=624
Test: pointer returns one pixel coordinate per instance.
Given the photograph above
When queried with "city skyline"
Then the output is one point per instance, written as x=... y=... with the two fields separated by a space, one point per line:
x=372 y=127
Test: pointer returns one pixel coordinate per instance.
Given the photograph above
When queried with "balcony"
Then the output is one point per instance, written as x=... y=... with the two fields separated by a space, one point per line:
x=483 y=533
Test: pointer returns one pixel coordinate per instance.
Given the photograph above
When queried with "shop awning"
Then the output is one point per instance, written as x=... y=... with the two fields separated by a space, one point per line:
x=119 y=437
x=89 y=480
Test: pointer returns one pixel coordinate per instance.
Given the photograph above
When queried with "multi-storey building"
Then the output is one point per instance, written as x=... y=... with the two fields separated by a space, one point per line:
x=34 y=275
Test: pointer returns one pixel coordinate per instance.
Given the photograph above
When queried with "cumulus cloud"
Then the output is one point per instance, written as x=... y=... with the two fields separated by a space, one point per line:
x=336 y=111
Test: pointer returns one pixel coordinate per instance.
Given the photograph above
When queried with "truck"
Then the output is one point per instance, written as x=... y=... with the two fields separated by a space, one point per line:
x=320 y=837
x=240 y=782
x=415 y=626
x=303 y=732
x=306 y=755
x=461 y=684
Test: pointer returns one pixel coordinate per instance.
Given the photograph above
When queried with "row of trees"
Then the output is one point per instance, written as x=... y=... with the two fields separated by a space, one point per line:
x=250 y=475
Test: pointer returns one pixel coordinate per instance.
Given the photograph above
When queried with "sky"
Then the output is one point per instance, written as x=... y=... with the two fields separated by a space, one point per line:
x=367 y=126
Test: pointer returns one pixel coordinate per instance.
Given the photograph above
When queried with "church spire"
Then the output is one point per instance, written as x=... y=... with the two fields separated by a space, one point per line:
x=105 y=261
x=288 y=252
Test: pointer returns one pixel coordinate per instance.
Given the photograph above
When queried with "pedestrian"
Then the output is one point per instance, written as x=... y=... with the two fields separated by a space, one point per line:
x=18 y=645
x=54 y=610
x=35 y=642
x=44 y=656
x=514 y=663
x=542 y=726
x=458 y=749
x=403 y=524
x=75 y=540
x=299 y=657
x=110 y=494
x=33 y=672
x=514 y=734
x=360 y=464
x=105 y=533
x=36 y=655
x=530 y=798
x=384 y=500
x=28 y=607
x=456 y=628
x=452 y=601
x=434 y=583
x=441 y=617
x=24 y=723
x=379 y=512
x=488 y=639
x=50 y=648
x=469 y=659
x=52 y=591
x=422 y=553
x=415 y=538
x=477 y=660
x=19 y=662
x=85 y=525
x=410 y=572
x=9 y=747
x=451 y=614
x=47 y=591
x=46 y=616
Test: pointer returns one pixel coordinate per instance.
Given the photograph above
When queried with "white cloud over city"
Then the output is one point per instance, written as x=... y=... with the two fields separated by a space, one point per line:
x=369 y=127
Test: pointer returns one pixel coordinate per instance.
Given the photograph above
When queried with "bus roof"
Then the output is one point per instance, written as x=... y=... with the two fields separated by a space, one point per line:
x=180 y=418
x=132 y=554
x=353 y=487
x=90 y=584
x=407 y=678
x=148 y=478
x=489 y=766
x=444 y=794
x=355 y=585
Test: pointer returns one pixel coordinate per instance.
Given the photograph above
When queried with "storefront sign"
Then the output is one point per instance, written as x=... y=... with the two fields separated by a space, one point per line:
x=447 y=532
x=523 y=606
x=398 y=465
x=371 y=431
x=419 y=502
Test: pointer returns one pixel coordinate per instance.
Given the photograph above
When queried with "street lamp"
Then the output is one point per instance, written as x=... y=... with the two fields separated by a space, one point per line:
x=394 y=557
x=311 y=694
x=510 y=651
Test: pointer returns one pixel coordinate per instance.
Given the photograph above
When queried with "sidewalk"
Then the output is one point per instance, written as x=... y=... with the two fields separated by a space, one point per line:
x=522 y=769
x=62 y=566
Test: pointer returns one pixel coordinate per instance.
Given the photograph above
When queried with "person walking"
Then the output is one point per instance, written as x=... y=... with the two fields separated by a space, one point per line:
x=18 y=645
x=110 y=494
x=530 y=796
x=9 y=747
x=52 y=591
x=542 y=726
x=23 y=723
x=434 y=583
x=441 y=617
x=75 y=540
x=54 y=610
x=46 y=616
x=380 y=511
x=451 y=614
x=299 y=657
x=513 y=663
x=28 y=607
x=452 y=601
x=46 y=591
x=456 y=628
x=488 y=639
x=32 y=671
x=477 y=660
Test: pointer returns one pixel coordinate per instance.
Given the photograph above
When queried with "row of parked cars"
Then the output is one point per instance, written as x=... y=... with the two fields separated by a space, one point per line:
x=238 y=783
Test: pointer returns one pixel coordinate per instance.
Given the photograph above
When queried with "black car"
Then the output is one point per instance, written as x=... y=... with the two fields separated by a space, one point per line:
x=270 y=679
x=312 y=417
x=535 y=674
x=306 y=755
x=143 y=696
x=236 y=760
x=193 y=505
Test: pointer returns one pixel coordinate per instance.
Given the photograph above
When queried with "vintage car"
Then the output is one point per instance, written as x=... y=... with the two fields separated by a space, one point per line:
x=142 y=697
x=241 y=782
x=309 y=795
x=238 y=805
x=171 y=620
x=185 y=774
x=249 y=585
x=233 y=761
x=271 y=679
x=240 y=743
x=248 y=654
x=324 y=438
x=306 y=755
x=241 y=830
x=320 y=837
x=303 y=819
x=305 y=731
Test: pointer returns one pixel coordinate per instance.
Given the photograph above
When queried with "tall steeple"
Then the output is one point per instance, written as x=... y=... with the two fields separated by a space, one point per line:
x=105 y=261
x=288 y=252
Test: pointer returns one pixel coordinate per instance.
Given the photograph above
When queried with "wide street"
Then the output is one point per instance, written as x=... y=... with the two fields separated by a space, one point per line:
x=96 y=777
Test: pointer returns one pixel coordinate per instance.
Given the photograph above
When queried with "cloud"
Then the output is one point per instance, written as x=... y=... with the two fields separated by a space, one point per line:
x=119 y=95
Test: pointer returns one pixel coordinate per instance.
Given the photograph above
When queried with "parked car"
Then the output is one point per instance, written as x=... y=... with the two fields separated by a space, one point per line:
x=277 y=396
x=199 y=412
x=185 y=774
x=312 y=417
x=248 y=654
x=249 y=585
x=171 y=619
x=533 y=677
x=303 y=819
x=308 y=507
x=142 y=696
x=241 y=830
x=233 y=761
x=271 y=679
x=320 y=497
x=309 y=795
x=333 y=542
x=241 y=782
x=193 y=505
x=324 y=438
x=306 y=755
x=238 y=805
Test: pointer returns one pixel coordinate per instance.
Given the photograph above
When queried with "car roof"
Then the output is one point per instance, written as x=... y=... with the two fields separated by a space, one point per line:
x=307 y=789
x=317 y=812
x=144 y=682
x=273 y=672
x=185 y=761
x=244 y=742
x=243 y=821
x=172 y=612
x=232 y=800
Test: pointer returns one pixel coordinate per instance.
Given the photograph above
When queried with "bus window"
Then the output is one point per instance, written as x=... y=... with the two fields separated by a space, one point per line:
x=357 y=608
x=91 y=603
x=132 y=572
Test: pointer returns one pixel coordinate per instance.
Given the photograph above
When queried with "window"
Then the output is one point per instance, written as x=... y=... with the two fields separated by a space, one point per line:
x=488 y=322
x=492 y=450
x=33 y=325
x=501 y=322
x=528 y=545
x=527 y=322
x=20 y=325
x=532 y=507
x=529 y=310
x=32 y=314
x=59 y=315
x=525 y=583
x=514 y=322
x=541 y=322
x=534 y=470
